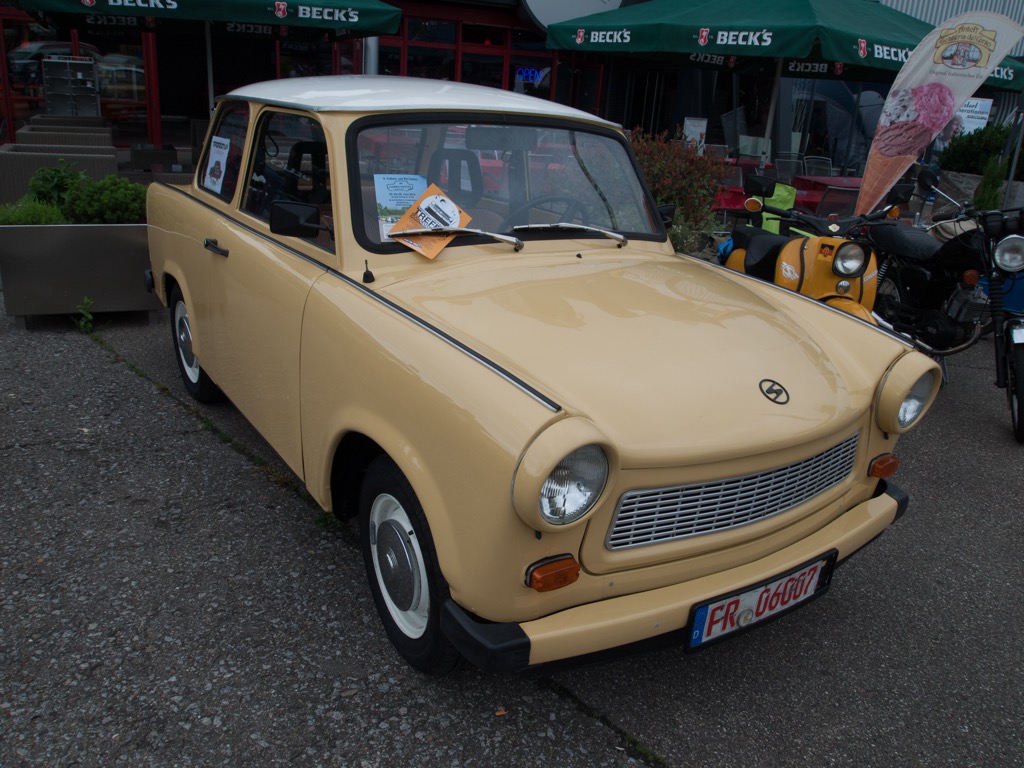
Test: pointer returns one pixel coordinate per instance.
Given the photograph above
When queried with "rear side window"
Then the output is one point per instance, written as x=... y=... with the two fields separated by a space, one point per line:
x=222 y=162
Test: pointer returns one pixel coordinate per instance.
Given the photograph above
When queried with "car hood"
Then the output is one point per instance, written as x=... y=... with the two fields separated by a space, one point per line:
x=667 y=356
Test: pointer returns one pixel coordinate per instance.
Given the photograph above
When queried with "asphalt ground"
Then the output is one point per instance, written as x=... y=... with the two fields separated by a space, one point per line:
x=169 y=597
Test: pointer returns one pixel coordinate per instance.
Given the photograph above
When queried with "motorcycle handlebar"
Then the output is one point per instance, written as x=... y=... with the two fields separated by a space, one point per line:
x=820 y=224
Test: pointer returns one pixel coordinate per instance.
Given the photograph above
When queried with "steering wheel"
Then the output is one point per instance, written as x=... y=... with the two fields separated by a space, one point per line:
x=572 y=205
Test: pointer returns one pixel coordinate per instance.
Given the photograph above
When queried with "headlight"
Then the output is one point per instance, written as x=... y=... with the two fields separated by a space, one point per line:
x=561 y=475
x=850 y=259
x=573 y=485
x=916 y=401
x=907 y=391
x=1010 y=254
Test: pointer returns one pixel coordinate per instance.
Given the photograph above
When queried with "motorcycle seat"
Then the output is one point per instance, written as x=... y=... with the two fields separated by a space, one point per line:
x=904 y=240
x=762 y=251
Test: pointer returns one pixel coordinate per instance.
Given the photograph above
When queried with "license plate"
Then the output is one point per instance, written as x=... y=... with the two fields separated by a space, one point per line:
x=754 y=605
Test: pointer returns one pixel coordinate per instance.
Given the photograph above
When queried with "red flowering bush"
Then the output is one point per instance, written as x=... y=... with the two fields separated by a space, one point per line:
x=677 y=174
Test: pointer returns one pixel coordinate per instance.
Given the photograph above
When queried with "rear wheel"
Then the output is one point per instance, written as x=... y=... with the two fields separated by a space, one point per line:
x=197 y=383
x=401 y=566
x=1015 y=388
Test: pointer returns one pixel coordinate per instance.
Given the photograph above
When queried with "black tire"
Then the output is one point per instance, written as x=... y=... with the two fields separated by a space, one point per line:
x=1015 y=388
x=402 y=569
x=197 y=383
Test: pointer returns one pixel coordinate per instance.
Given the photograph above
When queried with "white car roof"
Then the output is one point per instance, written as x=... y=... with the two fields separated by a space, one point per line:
x=382 y=93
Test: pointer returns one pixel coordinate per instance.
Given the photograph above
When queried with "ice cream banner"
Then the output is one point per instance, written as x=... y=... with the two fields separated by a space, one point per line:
x=942 y=72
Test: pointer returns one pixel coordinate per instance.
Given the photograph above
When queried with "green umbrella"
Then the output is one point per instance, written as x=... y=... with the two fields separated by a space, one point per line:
x=855 y=32
x=862 y=33
x=357 y=16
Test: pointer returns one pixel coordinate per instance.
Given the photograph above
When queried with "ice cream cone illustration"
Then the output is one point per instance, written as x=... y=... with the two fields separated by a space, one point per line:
x=911 y=118
x=886 y=171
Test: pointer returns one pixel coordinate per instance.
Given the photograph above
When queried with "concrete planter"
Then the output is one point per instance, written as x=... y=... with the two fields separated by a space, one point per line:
x=48 y=270
x=19 y=162
x=962 y=186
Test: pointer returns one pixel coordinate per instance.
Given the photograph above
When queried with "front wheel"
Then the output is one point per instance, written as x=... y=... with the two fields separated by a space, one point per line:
x=402 y=569
x=1015 y=388
x=197 y=383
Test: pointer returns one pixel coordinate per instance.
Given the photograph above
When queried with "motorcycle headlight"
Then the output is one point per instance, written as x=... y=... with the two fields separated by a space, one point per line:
x=907 y=392
x=1009 y=254
x=561 y=475
x=850 y=259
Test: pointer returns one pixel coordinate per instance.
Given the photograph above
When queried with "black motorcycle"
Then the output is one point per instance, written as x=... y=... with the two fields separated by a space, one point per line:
x=943 y=293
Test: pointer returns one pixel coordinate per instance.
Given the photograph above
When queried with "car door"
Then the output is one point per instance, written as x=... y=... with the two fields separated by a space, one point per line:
x=259 y=282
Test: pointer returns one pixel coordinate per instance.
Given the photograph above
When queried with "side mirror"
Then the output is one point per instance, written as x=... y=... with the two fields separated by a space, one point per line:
x=667 y=212
x=926 y=180
x=295 y=219
x=759 y=186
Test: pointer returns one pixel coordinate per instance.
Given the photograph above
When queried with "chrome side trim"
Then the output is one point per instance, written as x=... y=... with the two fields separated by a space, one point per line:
x=512 y=379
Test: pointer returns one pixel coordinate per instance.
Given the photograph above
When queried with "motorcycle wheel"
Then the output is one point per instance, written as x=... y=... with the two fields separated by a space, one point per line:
x=1015 y=388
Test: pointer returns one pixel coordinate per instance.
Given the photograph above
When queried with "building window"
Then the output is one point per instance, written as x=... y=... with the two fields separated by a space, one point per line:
x=497 y=54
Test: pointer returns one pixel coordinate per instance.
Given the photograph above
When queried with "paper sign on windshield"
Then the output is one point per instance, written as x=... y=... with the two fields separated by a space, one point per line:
x=432 y=210
x=394 y=194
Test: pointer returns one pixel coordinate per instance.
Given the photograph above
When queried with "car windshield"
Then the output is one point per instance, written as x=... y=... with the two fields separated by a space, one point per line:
x=523 y=180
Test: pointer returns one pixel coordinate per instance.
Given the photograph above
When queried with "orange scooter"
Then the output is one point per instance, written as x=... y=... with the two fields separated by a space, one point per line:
x=824 y=258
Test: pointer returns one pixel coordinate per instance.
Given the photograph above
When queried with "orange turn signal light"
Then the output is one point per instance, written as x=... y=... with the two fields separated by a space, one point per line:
x=552 y=573
x=894 y=212
x=971 y=277
x=752 y=204
x=884 y=466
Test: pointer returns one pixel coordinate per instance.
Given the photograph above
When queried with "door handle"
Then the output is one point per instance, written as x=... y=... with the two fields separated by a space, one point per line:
x=211 y=245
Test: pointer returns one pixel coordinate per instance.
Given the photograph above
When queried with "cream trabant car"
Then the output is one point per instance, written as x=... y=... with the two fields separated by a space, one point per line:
x=454 y=312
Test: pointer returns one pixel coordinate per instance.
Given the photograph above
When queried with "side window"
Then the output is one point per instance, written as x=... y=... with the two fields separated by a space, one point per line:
x=219 y=170
x=289 y=162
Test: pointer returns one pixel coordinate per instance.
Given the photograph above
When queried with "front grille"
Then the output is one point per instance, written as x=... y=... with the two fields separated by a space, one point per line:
x=657 y=515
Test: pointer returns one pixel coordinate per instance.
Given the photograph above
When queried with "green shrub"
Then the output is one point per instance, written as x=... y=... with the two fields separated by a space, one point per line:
x=29 y=211
x=52 y=185
x=82 y=200
x=970 y=152
x=988 y=196
x=677 y=174
x=113 y=200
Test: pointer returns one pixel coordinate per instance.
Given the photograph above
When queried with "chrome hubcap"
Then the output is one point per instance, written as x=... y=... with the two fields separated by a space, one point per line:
x=184 y=336
x=399 y=566
x=398 y=569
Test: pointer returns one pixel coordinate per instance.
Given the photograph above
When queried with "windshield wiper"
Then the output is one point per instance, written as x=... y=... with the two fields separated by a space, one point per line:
x=515 y=242
x=566 y=226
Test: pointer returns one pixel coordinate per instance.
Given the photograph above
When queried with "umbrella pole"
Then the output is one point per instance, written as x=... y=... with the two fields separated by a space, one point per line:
x=854 y=119
x=209 y=65
x=805 y=132
x=1017 y=135
x=771 y=116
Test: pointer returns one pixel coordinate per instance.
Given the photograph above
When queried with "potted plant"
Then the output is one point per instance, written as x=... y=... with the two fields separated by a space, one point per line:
x=680 y=176
x=71 y=238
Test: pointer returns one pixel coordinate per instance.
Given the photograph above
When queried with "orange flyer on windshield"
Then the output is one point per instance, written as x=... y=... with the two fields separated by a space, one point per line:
x=432 y=210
